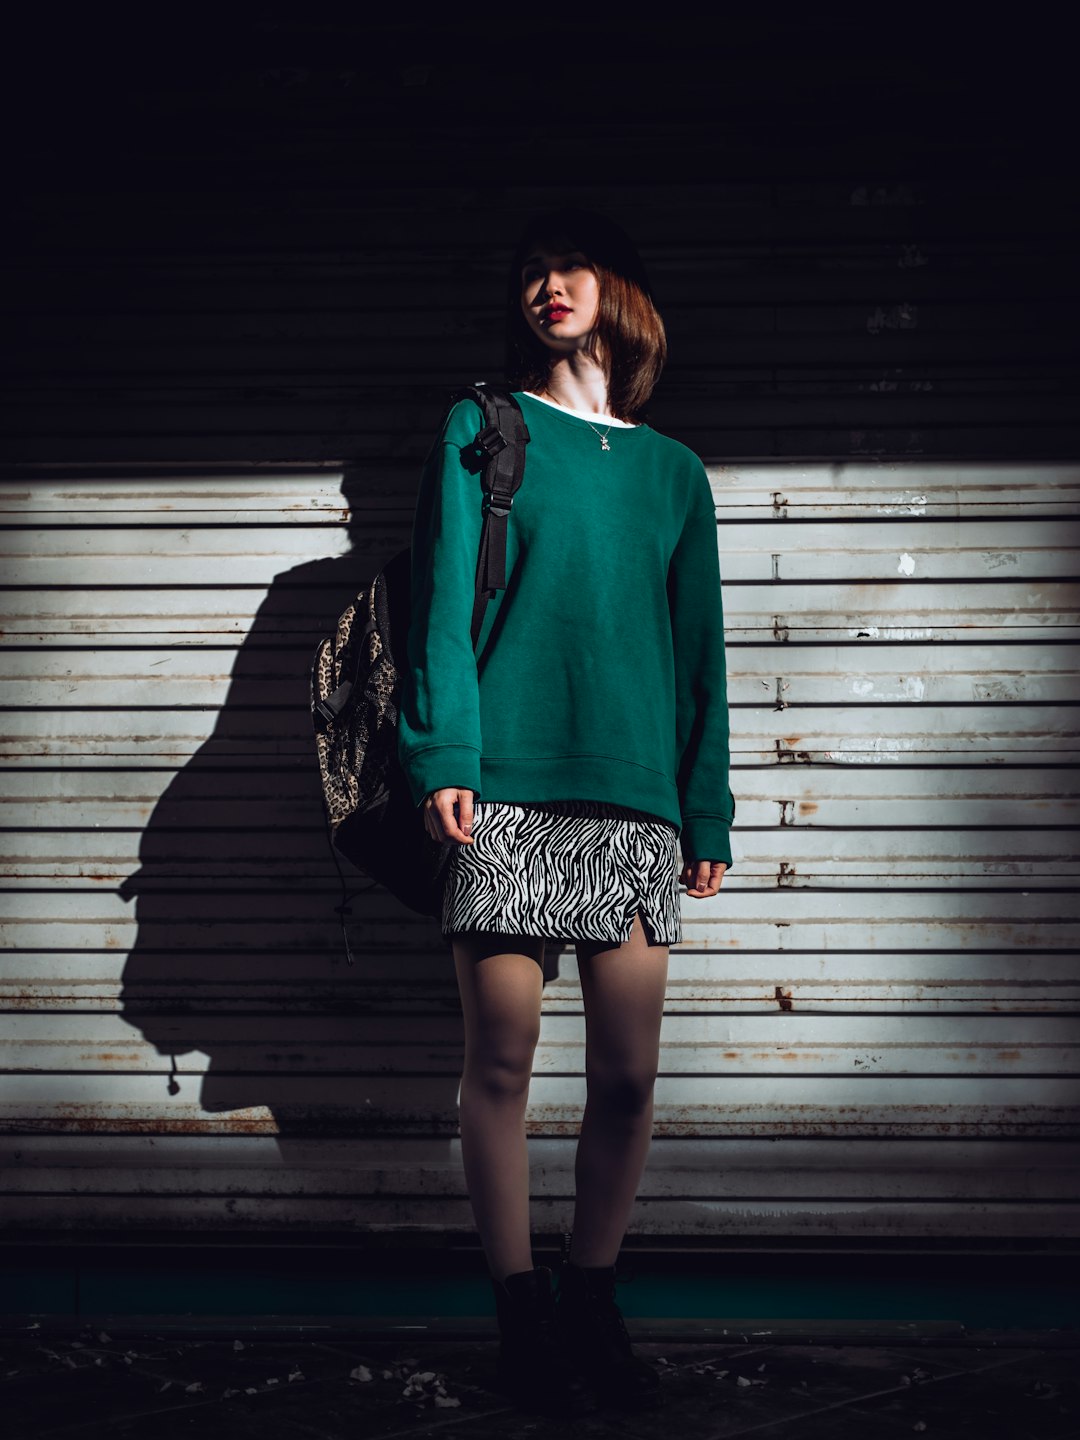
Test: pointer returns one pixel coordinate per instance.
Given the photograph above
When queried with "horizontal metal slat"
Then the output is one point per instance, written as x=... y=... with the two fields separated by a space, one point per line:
x=698 y=1045
x=799 y=1104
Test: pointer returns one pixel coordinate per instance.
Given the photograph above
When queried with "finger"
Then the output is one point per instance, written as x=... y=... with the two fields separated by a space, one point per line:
x=449 y=819
x=435 y=823
x=465 y=812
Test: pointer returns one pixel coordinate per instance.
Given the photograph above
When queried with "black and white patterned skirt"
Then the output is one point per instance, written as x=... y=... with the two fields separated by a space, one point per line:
x=566 y=870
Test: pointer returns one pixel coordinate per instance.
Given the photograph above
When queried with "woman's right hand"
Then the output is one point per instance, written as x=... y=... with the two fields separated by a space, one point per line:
x=439 y=819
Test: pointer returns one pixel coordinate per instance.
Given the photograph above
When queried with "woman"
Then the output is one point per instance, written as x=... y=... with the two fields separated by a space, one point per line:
x=598 y=686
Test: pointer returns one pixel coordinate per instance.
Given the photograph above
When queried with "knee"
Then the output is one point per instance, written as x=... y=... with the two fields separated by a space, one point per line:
x=623 y=1092
x=500 y=1075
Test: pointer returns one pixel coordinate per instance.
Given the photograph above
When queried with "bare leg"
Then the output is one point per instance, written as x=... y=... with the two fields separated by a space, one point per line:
x=501 y=982
x=623 y=988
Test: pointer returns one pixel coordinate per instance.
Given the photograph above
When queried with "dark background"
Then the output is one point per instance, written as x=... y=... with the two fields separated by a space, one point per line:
x=279 y=233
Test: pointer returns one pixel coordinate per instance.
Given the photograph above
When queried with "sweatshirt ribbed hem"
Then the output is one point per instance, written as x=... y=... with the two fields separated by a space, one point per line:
x=580 y=777
x=613 y=781
x=438 y=767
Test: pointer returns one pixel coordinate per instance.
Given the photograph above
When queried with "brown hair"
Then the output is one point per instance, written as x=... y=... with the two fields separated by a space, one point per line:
x=629 y=339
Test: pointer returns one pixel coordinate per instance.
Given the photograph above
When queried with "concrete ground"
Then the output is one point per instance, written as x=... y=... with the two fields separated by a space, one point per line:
x=125 y=1377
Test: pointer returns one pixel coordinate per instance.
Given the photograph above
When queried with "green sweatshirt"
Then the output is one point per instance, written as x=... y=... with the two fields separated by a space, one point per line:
x=600 y=670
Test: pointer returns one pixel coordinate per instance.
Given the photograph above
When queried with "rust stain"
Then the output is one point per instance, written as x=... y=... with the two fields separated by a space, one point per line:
x=1008 y=1054
x=786 y=757
x=77 y=1123
x=783 y=998
x=787 y=873
x=808 y=807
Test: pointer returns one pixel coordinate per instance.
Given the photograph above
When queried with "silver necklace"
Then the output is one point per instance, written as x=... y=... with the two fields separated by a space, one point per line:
x=603 y=438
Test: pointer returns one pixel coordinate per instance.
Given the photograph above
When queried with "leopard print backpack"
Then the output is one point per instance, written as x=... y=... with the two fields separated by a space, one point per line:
x=356 y=686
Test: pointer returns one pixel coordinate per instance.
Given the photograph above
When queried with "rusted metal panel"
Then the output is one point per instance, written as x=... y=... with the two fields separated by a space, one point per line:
x=902 y=905
x=772 y=1102
x=276 y=850
x=994 y=1046
x=714 y=1219
x=399 y=978
x=982 y=1169
x=891 y=489
x=980 y=913
x=887 y=488
x=148 y=736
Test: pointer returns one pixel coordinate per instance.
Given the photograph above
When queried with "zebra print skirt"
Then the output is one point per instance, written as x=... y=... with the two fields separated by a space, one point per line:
x=566 y=870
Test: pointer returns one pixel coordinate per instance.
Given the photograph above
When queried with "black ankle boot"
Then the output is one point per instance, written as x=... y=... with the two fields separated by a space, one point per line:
x=535 y=1369
x=594 y=1330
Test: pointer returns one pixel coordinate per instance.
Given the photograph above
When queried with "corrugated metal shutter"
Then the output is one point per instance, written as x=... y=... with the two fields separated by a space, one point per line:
x=892 y=960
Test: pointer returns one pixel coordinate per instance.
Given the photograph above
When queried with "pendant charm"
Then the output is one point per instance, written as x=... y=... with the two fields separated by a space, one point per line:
x=603 y=443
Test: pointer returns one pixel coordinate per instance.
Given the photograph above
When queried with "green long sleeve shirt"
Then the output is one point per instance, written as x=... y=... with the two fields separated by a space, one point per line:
x=600 y=670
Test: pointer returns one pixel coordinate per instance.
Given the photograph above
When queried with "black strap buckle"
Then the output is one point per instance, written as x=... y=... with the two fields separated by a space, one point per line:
x=491 y=440
x=500 y=504
x=329 y=709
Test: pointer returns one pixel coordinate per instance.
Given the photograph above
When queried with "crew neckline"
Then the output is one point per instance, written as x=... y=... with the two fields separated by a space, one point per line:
x=579 y=417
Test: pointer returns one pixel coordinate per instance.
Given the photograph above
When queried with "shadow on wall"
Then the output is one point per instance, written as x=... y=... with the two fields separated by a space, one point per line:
x=239 y=952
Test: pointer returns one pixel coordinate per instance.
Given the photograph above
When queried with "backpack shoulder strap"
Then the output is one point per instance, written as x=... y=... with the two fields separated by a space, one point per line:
x=502 y=440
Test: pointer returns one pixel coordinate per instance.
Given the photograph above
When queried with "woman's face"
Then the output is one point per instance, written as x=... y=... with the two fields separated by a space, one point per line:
x=560 y=297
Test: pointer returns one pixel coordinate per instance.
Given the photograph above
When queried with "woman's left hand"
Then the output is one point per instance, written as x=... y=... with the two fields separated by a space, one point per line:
x=703 y=878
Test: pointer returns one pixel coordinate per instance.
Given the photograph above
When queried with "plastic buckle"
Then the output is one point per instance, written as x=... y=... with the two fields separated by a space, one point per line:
x=500 y=504
x=491 y=440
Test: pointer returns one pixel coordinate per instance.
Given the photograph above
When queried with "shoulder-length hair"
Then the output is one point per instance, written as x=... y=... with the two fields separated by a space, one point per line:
x=629 y=340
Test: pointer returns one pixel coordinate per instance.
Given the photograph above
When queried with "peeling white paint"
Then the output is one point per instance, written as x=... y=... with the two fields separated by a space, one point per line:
x=903 y=504
x=892 y=632
x=907 y=564
x=911 y=256
x=874 y=749
x=913 y=686
x=905 y=687
x=897 y=317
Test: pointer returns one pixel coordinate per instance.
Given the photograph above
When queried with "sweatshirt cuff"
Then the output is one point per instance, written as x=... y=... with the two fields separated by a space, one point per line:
x=705 y=837
x=442 y=767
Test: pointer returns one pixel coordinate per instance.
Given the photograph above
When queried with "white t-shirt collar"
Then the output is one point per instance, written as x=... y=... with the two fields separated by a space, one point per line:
x=581 y=414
